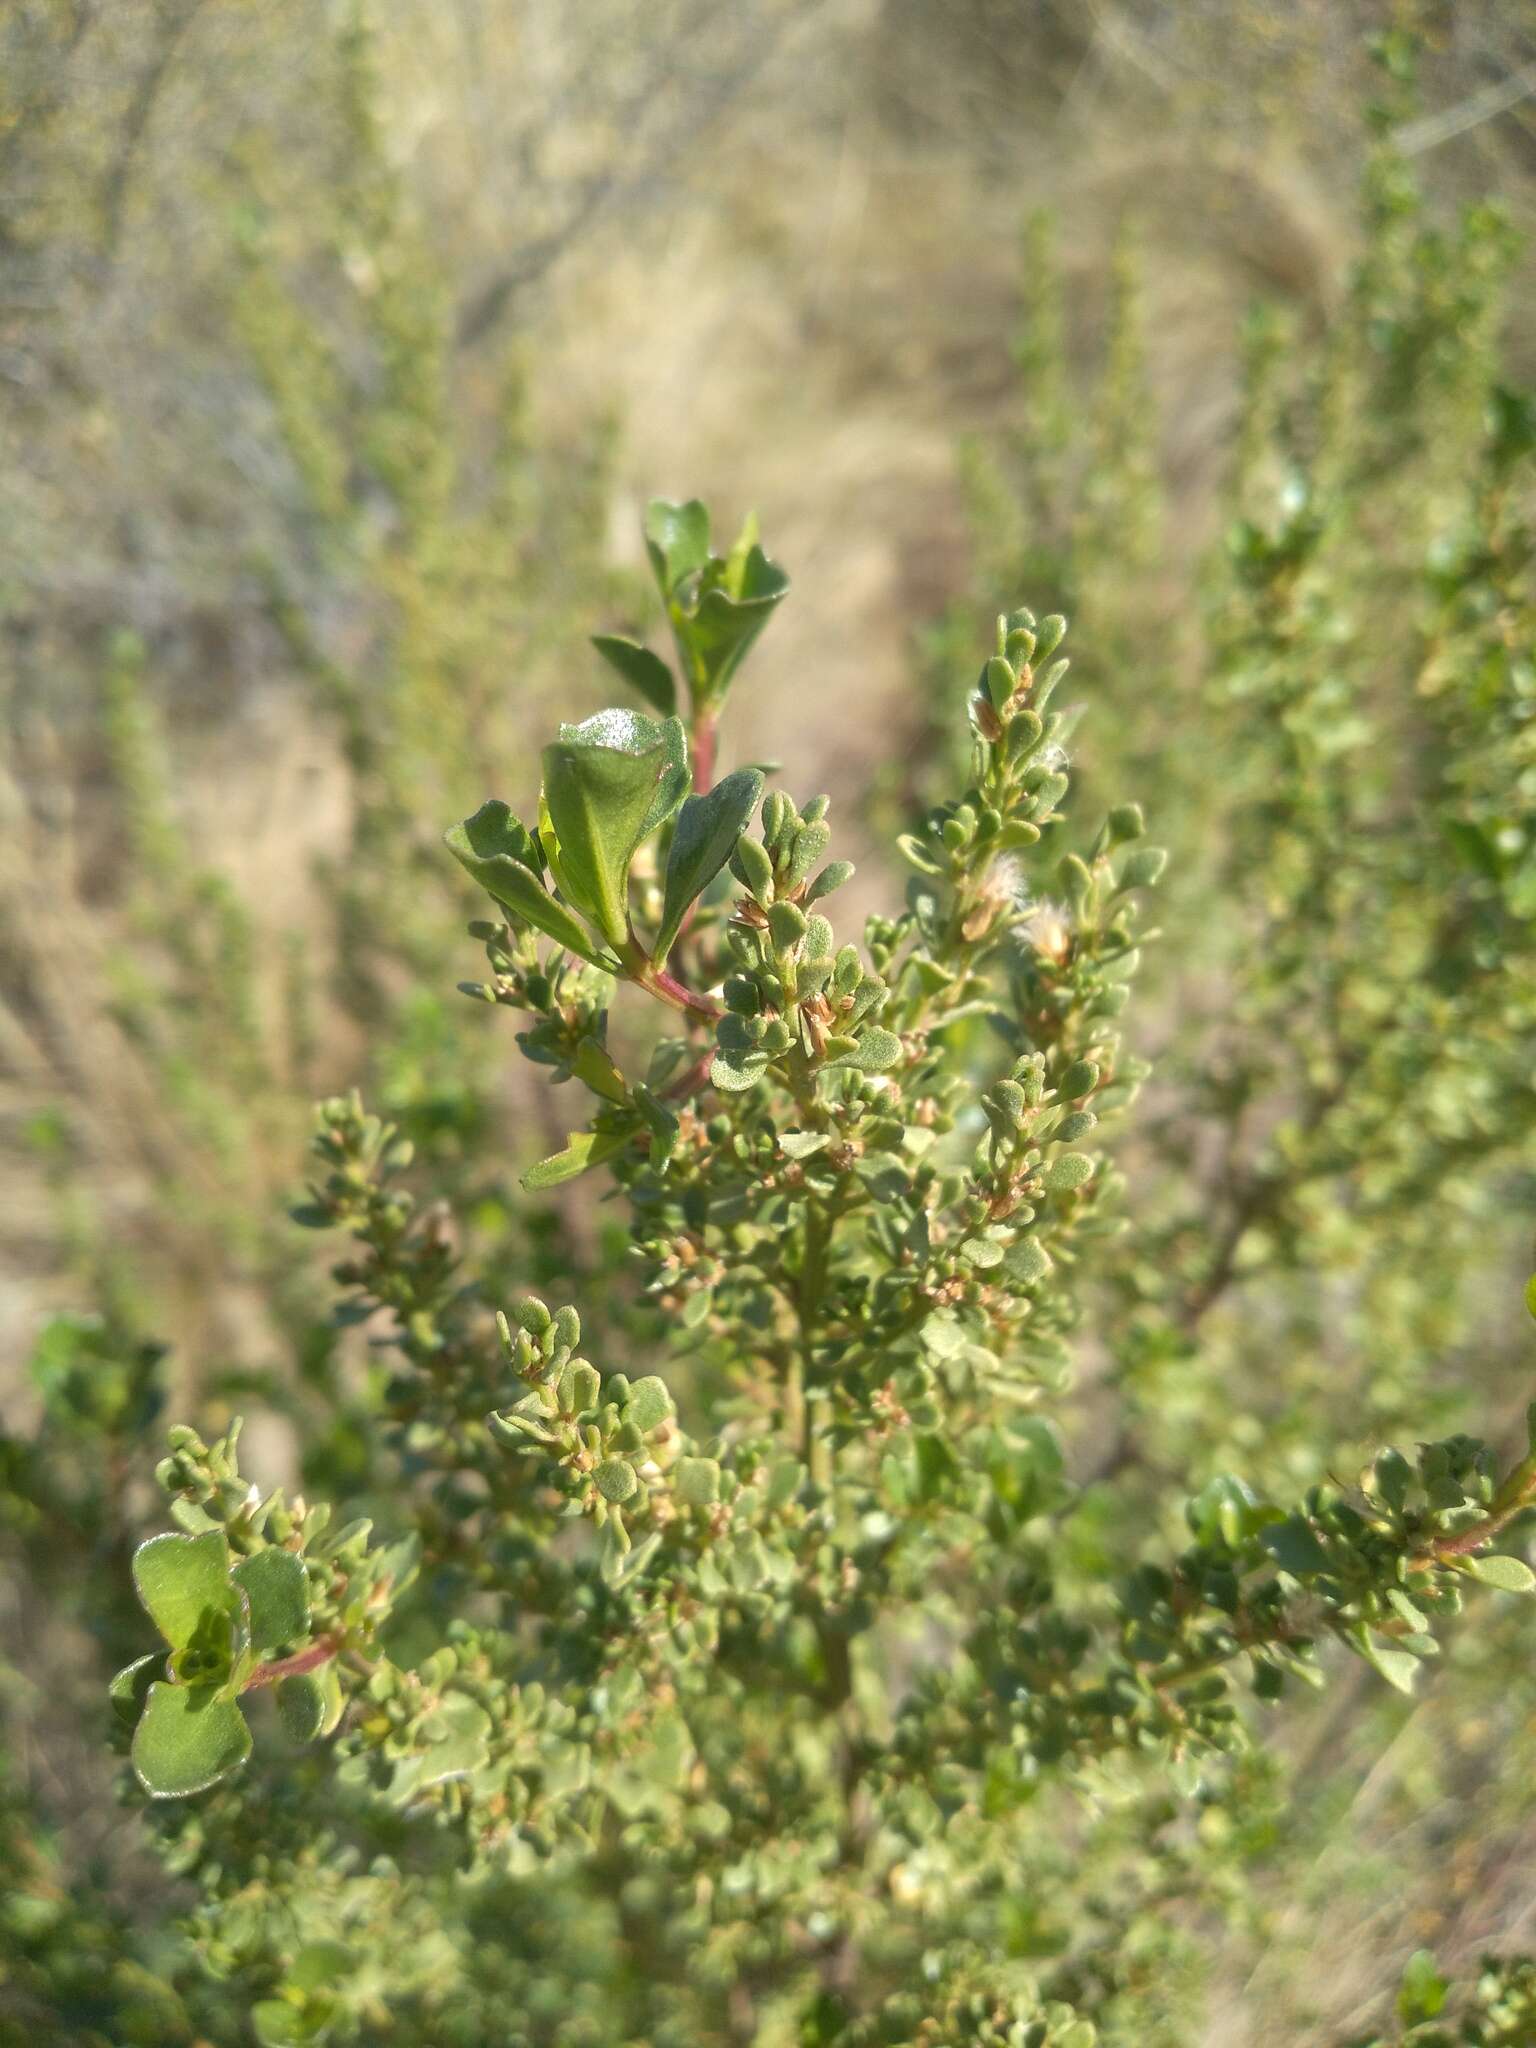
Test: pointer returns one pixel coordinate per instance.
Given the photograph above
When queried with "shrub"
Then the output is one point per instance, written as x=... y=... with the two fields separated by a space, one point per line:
x=892 y=1613
x=764 y=1665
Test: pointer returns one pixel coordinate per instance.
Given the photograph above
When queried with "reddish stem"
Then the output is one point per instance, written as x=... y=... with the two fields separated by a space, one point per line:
x=692 y=1079
x=671 y=990
x=321 y=1651
x=703 y=781
x=643 y=971
x=703 y=752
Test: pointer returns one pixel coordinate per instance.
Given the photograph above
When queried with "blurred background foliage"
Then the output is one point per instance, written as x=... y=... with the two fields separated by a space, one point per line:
x=339 y=346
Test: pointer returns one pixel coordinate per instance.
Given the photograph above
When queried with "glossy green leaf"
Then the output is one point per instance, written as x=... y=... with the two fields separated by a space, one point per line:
x=301 y=1706
x=641 y=669
x=130 y=1687
x=179 y=1578
x=593 y=1065
x=501 y=855
x=277 y=1587
x=703 y=840
x=1294 y=1546
x=608 y=783
x=676 y=539
x=187 y=1739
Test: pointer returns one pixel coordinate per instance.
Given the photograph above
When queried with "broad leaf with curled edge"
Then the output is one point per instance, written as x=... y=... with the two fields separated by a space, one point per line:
x=301 y=1705
x=504 y=859
x=188 y=1738
x=608 y=783
x=277 y=1587
x=676 y=539
x=130 y=1688
x=723 y=626
x=703 y=840
x=179 y=1578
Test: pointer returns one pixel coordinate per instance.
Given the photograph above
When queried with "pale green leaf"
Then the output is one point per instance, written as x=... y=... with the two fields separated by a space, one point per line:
x=277 y=1588
x=615 y=1479
x=1508 y=1574
x=608 y=783
x=584 y=1149
x=650 y=1404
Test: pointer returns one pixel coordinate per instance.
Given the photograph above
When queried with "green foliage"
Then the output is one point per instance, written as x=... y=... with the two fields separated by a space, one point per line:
x=1498 y=2010
x=866 y=1622
x=867 y=1189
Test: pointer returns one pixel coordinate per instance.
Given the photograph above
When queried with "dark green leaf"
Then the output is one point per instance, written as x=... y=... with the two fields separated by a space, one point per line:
x=301 y=1705
x=130 y=1687
x=676 y=539
x=704 y=838
x=1294 y=1546
x=643 y=670
x=715 y=639
x=494 y=848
